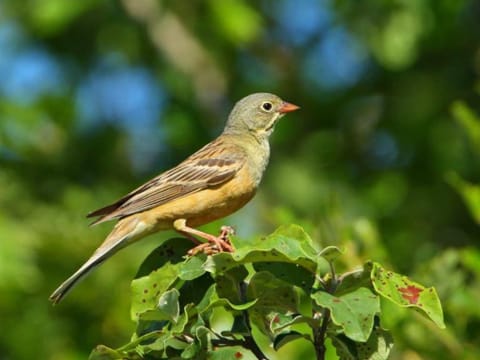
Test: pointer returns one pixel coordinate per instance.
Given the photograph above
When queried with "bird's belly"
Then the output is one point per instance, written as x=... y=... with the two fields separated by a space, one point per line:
x=206 y=205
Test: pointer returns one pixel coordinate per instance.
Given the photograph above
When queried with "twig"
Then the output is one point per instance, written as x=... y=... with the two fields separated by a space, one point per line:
x=320 y=334
x=249 y=341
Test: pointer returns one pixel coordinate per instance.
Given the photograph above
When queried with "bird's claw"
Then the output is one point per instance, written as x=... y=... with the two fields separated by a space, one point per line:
x=215 y=244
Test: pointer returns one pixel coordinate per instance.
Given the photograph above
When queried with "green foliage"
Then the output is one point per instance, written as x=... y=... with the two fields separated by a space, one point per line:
x=382 y=161
x=174 y=303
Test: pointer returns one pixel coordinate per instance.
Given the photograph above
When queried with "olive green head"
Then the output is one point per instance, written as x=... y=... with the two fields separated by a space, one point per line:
x=257 y=114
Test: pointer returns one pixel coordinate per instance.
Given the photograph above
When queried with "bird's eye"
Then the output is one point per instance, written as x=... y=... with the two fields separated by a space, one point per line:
x=267 y=106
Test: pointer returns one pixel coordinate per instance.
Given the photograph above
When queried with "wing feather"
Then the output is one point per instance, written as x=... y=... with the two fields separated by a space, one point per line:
x=213 y=165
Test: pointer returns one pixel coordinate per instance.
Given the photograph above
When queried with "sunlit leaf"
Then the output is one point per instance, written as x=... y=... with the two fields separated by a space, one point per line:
x=353 y=312
x=330 y=253
x=167 y=308
x=147 y=290
x=102 y=352
x=287 y=244
x=285 y=338
x=231 y=352
x=407 y=293
x=377 y=347
x=192 y=268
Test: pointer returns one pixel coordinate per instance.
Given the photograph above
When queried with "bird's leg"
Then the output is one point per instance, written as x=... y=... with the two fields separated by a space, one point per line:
x=215 y=243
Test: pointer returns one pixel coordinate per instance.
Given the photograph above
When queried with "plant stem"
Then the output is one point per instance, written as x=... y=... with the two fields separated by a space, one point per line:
x=320 y=334
x=249 y=341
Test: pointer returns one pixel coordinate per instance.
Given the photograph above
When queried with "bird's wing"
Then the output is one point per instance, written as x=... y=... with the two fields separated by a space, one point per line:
x=212 y=165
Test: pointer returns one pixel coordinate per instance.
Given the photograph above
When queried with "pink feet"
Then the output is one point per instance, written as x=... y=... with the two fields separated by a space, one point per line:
x=214 y=244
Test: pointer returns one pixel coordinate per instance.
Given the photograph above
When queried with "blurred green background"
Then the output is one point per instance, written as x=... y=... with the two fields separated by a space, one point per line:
x=96 y=97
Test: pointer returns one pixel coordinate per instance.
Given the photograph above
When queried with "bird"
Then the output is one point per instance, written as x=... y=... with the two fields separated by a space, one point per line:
x=214 y=182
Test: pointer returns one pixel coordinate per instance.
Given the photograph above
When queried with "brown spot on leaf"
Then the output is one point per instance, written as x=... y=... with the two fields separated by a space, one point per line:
x=238 y=355
x=410 y=293
x=336 y=300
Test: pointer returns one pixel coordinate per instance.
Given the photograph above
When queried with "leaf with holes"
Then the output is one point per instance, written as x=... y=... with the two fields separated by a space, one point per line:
x=407 y=293
x=353 y=312
x=147 y=290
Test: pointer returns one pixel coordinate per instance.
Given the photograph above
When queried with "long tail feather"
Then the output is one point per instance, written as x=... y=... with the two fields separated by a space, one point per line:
x=123 y=234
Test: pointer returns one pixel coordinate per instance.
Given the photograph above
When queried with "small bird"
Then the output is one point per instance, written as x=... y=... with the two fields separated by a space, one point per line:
x=214 y=182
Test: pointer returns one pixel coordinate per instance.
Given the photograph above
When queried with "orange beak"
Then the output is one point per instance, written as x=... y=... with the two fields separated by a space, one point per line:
x=287 y=107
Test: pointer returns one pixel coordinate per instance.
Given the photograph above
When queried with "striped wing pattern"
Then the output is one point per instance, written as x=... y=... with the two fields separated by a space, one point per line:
x=214 y=164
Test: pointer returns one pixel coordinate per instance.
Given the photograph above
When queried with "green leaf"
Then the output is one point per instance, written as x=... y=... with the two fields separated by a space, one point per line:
x=353 y=312
x=212 y=299
x=469 y=121
x=280 y=322
x=272 y=293
x=228 y=287
x=354 y=280
x=194 y=291
x=203 y=335
x=147 y=289
x=239 y=327
x=377 y=347
x=289 y=272
x=330 y=253
x=171 y=251
x=192 y=268
x=168 y=304
x=183 y=319
x=231 y=352
x=274 y=299
x=345 y=347
x=407 y=293
x=101 y=352
x=469 y=192
x=285 y=338
x=161 y=343
x=190 y=351
x=287 y=244
x=167 y=308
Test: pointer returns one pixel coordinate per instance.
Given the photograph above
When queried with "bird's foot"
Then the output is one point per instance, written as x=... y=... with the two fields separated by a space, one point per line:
x=215 y=244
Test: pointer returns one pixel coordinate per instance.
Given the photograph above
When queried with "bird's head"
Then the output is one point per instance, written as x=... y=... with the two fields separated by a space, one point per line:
x=257 y=114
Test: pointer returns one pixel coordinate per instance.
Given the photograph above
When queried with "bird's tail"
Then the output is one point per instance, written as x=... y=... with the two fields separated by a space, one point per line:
x=123 y=234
